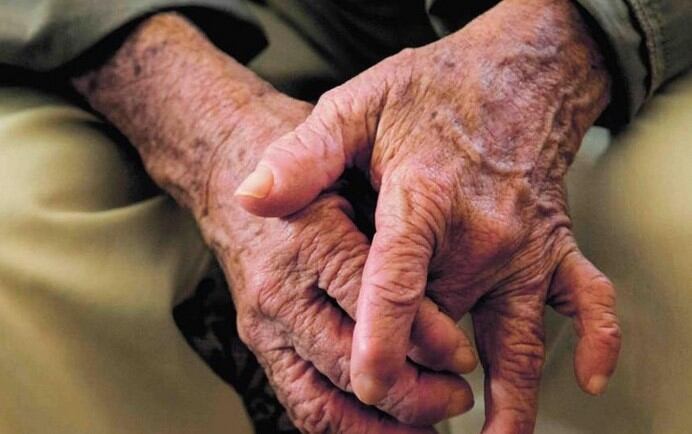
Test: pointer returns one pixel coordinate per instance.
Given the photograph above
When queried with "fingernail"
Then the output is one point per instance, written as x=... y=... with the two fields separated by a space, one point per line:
x=464 y=360
x=461 y=402
x=597 y=384
x=258 y=184
x=368 y=389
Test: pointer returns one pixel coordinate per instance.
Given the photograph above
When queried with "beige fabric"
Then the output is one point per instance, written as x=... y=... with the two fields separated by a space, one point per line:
x=90 y=268
x=633 y=217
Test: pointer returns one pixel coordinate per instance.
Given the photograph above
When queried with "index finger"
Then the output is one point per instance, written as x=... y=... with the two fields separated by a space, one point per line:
x=394 y=280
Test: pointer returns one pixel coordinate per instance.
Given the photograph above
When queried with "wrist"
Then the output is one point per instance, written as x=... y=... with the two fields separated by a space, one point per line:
x=177 y=99
x=536 y=69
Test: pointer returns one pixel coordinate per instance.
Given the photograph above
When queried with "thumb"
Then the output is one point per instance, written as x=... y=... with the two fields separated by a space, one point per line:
x=297 y=167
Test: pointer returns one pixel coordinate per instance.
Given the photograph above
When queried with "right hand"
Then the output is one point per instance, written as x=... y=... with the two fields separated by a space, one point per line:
x=467 y=141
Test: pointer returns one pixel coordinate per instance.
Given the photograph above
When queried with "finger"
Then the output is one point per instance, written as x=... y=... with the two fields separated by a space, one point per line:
x=579 y=290
x=297 y=167
x=394 y=280
x=322 y=334
x=509 y=337
x=315 y=406
x=437 y=342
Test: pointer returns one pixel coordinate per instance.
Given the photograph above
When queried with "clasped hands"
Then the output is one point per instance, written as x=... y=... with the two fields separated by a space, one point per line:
x=466 y=141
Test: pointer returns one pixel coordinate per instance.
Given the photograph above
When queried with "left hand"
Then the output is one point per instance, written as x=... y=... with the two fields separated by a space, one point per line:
x=200 y=121
x=468 y=141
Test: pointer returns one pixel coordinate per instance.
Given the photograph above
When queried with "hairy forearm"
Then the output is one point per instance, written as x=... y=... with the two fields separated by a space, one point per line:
x=178 y=99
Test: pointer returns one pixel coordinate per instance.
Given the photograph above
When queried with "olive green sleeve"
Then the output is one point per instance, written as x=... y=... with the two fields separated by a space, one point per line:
x=650 y=40
x=41 y=35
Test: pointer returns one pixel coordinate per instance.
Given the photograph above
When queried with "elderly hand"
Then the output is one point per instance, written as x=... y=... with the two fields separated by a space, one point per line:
x=200 y=122
x=467 y=141
x=286 y=276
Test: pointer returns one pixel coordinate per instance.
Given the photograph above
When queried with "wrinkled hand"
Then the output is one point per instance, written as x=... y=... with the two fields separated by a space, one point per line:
x=467 y=141
x=287 y=274
x=200 y=121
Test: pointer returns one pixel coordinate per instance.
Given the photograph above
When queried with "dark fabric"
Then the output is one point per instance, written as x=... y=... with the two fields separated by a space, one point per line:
x=448 y=16
x=207 y=320
x=355 y=34
x=41 y=35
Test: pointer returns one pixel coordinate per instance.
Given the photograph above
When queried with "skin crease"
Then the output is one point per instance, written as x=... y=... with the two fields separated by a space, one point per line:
x=467 y=141
x=200 y=121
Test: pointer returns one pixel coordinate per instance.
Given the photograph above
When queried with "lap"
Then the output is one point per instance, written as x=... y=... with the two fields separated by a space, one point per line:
x=92 y=260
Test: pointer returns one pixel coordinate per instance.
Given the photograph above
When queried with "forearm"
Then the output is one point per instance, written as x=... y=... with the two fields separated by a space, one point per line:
x=178 y=100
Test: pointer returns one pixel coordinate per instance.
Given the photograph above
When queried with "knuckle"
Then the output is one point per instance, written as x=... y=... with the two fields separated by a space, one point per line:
x=290 y=148
x=305 y=318
x=517 y=351
x=318 y=413
x=343 y=375
x=494 y=234
x=280 y=285
x=247 y=327
x=329 y=99
x=407 y=53
x=432 y=203
x=342 y=421
x=334 y=106
x=276 y=302
x=601 y=289
x=407 y=263
x=402 y=404
x=407 y=235
x=598 y=315
x=524 y=363
x=394 y=292
x=419 y=211
x=400 y=66
x=262 y=339
x=341 y=275
x=268 y=297
x=609 y=332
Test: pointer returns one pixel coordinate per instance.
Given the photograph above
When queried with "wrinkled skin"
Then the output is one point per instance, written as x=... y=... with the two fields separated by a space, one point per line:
x=467 y=141
x=286 y=275
x=200 y=122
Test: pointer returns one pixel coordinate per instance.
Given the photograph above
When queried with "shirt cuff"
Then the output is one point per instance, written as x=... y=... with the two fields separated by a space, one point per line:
x=63 y=31
x=650 y=41
x=666 y=25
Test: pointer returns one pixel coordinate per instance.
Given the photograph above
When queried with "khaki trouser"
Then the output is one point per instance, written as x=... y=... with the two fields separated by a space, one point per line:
x=632 y=209
x=93 y=259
